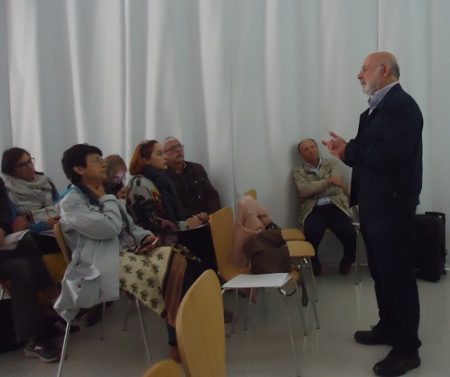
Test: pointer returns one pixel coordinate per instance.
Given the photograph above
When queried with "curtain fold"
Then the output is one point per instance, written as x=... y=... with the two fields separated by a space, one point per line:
x=239 y=82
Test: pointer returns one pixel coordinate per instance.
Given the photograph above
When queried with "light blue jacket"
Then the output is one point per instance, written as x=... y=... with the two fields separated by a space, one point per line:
x=92 y=233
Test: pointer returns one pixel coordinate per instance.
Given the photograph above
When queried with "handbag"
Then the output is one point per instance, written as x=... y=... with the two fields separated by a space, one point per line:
x=268 y=252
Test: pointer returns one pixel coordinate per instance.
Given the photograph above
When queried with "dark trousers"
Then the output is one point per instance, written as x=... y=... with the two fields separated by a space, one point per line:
x=199 y=242
x=331 y=217
x=390 y=242
x=27 y=273
x=47 y=244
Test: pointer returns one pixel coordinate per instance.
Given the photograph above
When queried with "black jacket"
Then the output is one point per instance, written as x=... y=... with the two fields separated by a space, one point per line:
x=6 y=216
x=386 y=155
x=195 y=191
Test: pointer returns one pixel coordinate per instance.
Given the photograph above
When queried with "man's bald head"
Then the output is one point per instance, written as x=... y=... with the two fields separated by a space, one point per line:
x=379 y=70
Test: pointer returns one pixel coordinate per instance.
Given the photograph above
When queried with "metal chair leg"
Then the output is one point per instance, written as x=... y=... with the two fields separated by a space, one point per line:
x=291 y=336
x=144 y=332
x=64 y=347
x=233 y=322
x=308 y=264
x=313 y=298
x=248 y=308
x=102 y=329
x=302 y=315
x=125 y=319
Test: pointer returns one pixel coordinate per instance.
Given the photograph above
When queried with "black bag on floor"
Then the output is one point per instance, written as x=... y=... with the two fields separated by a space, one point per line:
x=7 y=335
x=430 y=246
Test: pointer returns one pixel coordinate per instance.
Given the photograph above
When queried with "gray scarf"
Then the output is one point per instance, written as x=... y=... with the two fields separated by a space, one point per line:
x=35 y=197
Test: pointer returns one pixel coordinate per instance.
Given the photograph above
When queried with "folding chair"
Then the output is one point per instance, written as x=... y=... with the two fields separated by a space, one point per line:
x=302 y=251
x=68 y=257
x=222 y=230
x=200 y=328
x=164 y=368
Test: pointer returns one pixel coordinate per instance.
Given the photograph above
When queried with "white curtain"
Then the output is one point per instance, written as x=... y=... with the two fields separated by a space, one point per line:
x=240 y=82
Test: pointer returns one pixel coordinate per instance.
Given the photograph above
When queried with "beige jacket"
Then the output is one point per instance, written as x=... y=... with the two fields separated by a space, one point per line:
x=311 y=187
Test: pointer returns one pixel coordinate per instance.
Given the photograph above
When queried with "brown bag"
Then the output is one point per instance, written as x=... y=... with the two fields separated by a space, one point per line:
x=267 y=252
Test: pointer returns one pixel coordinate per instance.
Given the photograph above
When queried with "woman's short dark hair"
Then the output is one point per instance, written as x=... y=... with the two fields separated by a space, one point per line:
x=10 y=159
x=76 y=156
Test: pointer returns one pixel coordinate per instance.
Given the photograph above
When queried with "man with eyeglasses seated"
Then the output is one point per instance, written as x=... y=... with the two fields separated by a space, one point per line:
x=197 y=194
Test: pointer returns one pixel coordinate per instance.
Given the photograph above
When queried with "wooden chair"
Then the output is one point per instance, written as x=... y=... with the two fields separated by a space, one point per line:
x=200 y=328
x=222 y=231
x=67 y=253
x=300 y=251
x=164 y=368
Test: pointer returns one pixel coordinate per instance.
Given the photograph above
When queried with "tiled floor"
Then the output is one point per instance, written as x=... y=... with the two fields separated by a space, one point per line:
x=264 y=349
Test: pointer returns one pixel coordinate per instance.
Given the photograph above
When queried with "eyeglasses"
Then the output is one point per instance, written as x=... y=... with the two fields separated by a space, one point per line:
x=24 y=164
x=174 y=148
x=119 y=179
x=98 y=160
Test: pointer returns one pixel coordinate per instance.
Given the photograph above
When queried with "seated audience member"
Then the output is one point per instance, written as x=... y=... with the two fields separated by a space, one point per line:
x=197 y=194
x=34 y=196
x=104 y=239
x=22 y=265
x=323 y=203
x=154 y=204
x=116 y=171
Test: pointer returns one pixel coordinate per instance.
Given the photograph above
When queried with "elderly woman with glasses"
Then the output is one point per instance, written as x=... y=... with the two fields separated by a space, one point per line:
x=33 y=195
x=116 y=171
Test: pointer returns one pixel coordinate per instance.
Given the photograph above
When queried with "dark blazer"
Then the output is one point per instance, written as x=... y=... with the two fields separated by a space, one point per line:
x=6 y=213
x=195 y=191
x=386 y=154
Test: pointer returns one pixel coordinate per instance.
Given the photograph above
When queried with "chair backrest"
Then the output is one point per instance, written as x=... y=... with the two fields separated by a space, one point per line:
x=62 y=243
x=252 y=193
x=200 y=328
x=164 y=368
x=222 y=231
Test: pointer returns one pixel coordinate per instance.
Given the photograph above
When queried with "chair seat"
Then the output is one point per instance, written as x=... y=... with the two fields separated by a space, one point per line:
x=300 y=249
x=56 y=265
x=291 y=234
x=275 y=280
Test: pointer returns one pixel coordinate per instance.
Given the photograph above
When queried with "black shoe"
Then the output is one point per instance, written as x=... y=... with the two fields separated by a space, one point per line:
x=344 y=267
x=93 y=315
x=372 y=337
x=397 y=363
x=45 y=351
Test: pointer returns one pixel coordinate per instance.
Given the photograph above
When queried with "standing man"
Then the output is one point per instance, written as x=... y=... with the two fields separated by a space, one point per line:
x=196 y=193
x=386 y=156
x=323 y=203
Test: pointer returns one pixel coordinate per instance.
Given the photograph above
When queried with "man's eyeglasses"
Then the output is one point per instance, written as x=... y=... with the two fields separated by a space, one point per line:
x=24 y=164
x=175 y=148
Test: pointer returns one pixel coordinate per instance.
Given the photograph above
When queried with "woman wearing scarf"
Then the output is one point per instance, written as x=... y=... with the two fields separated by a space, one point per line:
x=33 y=195
x=154 y=204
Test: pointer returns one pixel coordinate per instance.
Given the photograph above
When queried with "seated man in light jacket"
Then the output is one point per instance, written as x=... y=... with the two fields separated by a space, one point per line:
x=323 y=203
